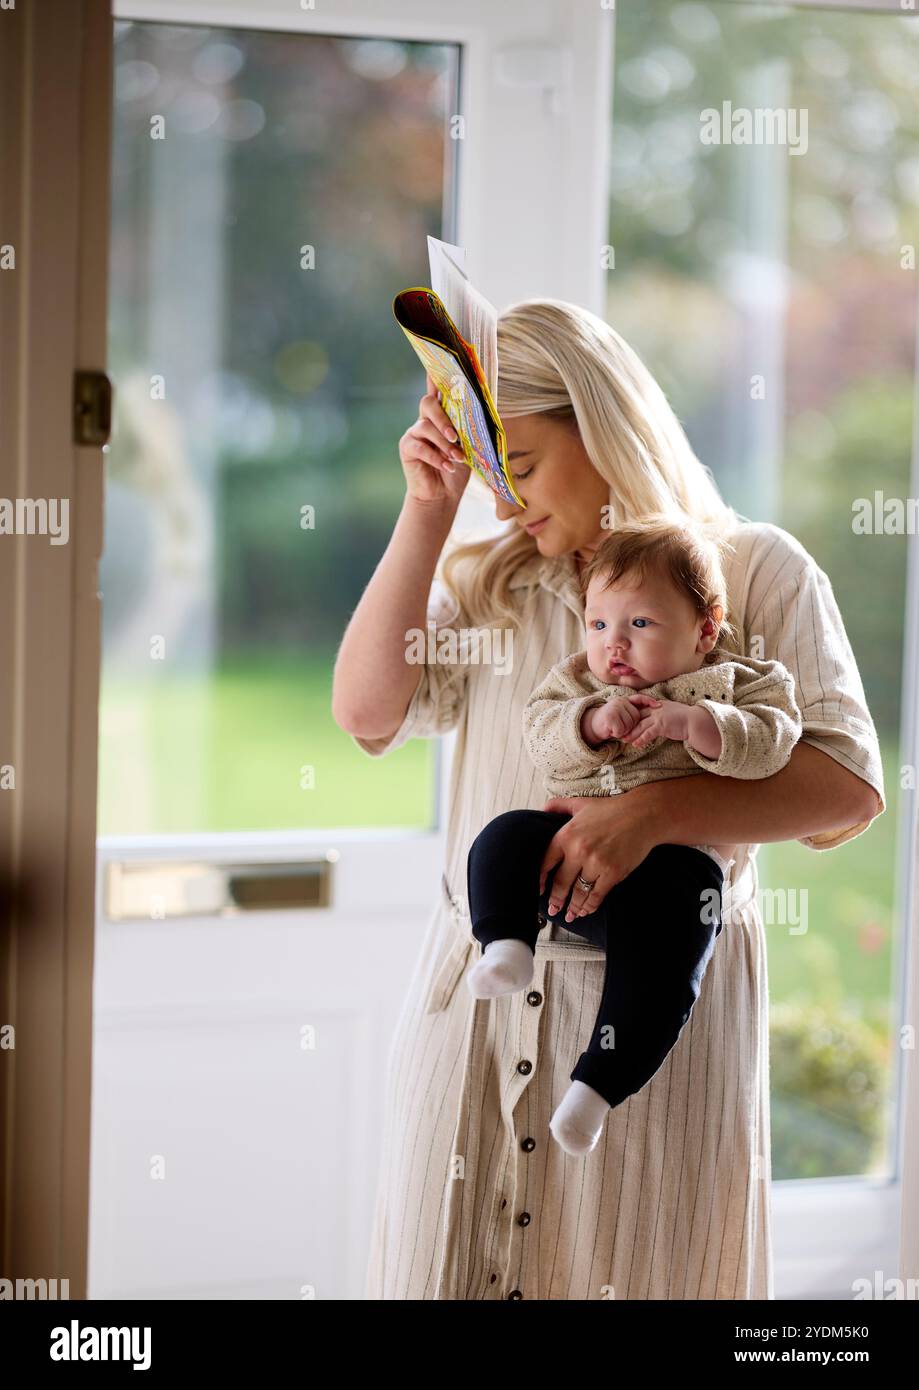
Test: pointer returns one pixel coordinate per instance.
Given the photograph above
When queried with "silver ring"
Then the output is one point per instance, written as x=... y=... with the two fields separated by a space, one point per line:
x=582 y=883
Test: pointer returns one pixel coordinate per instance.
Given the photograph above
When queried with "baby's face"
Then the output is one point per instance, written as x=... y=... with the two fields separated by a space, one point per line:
x=638 y=635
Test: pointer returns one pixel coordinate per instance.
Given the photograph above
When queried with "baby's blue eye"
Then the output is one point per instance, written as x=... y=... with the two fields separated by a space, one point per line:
x=639 y=620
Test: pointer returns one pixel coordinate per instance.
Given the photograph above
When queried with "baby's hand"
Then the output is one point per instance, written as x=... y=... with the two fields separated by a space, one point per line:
x=620 y=715
x=671 y=720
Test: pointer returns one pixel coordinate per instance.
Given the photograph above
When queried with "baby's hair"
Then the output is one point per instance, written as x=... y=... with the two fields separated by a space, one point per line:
x=682 y=551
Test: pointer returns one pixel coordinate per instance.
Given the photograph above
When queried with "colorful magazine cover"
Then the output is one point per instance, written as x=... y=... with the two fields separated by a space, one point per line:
x=455 y=362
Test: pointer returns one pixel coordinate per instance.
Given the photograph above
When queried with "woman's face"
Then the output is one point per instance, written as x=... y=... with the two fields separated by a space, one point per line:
x=559 y=484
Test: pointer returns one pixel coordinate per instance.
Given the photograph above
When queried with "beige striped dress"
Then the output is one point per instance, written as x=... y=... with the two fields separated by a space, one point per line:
x=475 y=1198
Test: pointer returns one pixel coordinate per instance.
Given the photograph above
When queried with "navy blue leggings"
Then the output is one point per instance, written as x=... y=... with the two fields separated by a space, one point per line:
x=657 y=928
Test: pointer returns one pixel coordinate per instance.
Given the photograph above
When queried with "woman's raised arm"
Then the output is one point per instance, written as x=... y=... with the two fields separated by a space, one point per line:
x=373 y=682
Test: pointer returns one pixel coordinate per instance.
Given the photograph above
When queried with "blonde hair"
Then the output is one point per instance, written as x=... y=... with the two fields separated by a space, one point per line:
x=562 y=361
x=682 y=553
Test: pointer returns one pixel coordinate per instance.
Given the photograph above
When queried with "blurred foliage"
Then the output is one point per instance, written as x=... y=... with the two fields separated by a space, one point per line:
x=285 y=384
x=730 y=258
x=829 y=1076
x=868 y=423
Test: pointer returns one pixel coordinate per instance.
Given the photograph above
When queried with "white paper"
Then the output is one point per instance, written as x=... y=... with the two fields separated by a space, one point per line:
x=475 y=318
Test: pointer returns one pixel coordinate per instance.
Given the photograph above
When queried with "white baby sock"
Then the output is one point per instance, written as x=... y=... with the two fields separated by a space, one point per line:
x=578 y=1122
x=506 y=966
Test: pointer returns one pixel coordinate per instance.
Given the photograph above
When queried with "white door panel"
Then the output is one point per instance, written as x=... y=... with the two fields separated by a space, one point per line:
x=238 y=1094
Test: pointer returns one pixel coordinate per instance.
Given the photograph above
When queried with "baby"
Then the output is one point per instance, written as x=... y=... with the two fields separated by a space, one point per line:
x=652 y=697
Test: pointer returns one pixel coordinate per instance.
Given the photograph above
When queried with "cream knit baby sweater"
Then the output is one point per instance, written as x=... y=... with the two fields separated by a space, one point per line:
x=752 y=702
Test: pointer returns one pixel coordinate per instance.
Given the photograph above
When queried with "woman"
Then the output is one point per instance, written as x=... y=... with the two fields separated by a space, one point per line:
x=476 y=1201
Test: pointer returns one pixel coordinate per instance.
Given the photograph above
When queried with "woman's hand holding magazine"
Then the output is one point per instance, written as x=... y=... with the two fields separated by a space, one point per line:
x=432 y=459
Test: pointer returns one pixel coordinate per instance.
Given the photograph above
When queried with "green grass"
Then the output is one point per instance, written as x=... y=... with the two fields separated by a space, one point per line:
x=845 y=956
x=225 y=751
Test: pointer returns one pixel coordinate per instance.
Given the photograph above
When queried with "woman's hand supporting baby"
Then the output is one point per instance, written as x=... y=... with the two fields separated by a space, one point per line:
x=639 y=719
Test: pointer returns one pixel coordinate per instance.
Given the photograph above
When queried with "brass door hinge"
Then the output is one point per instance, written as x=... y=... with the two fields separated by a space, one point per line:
x=92 y=408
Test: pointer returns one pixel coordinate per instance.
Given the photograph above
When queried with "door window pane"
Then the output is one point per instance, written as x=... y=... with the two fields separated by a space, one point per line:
x=271 y=192
x=773 y=296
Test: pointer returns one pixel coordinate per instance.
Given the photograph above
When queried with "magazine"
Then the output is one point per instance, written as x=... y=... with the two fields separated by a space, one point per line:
x=454 y=331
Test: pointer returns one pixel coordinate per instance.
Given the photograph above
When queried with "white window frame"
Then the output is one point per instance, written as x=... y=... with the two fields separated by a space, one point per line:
x=532 y=210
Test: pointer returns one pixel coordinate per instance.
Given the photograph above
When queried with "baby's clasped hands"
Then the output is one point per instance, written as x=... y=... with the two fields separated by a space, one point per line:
x=617 y=717
x=639 y=719
x=671 y=720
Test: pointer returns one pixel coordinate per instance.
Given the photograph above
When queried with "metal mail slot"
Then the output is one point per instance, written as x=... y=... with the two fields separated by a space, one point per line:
x=149 y=891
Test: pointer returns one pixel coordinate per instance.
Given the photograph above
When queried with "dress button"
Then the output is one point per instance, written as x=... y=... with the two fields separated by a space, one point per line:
x=493 y=1278
x=524 y=1219
x=503 y=1203
x=534 y=997
x=524 y=1067
x=515 y=1294
x=528 y=1145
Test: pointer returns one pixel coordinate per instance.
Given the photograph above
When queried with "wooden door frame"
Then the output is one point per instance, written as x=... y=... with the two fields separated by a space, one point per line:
x=55 y=112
